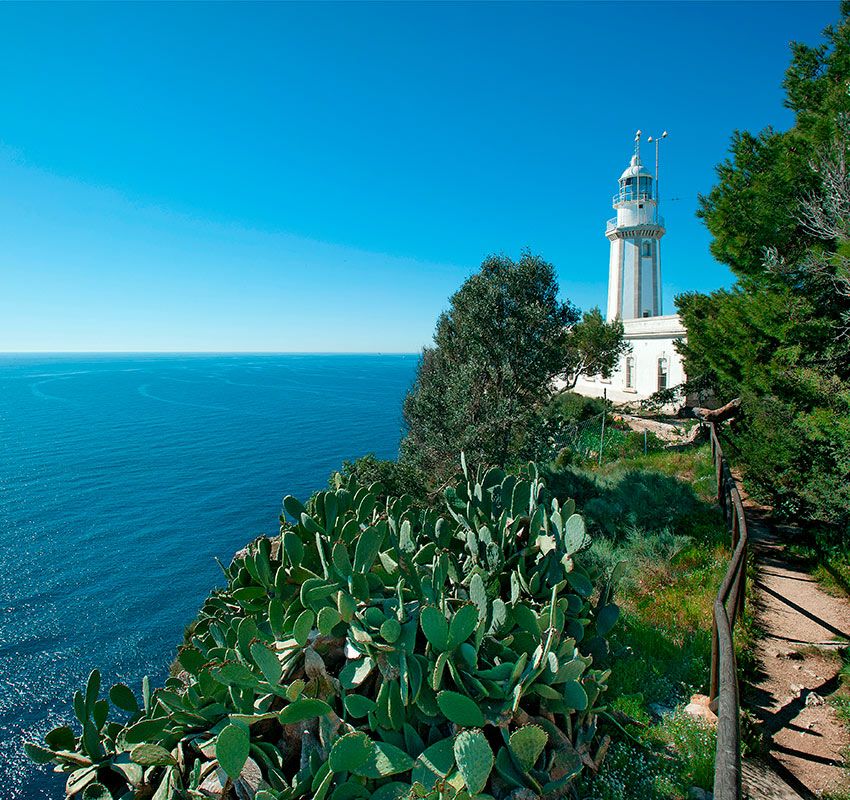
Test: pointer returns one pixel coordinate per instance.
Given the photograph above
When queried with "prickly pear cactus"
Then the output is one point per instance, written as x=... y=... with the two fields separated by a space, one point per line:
x=371 y=651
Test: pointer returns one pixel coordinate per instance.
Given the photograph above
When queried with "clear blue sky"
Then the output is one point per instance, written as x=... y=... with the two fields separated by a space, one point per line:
x=321 y=177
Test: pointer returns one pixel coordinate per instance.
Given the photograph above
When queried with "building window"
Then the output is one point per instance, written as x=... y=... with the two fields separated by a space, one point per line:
x=662 y=374
x=630 y=372
x=646 y=249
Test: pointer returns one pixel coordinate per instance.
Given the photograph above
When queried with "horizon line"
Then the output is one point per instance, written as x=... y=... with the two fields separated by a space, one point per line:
x=210 y=352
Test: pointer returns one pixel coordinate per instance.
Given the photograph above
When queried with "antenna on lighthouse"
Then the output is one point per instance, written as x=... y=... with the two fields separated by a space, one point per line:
x=637 y=143
x=657 y=139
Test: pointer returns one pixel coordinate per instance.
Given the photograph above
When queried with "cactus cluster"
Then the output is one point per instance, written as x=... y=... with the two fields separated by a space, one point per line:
x=372 y=651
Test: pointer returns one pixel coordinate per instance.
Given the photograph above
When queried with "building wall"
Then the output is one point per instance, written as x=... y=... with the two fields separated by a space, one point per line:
x=650 y=339
x=634 y=290
x=634 y=278
x=630 y=295
x=615 y=280
x=648 y=278
x=636 y=213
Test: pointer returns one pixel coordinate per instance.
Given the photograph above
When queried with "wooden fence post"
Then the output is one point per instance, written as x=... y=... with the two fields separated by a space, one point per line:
x=715 y=664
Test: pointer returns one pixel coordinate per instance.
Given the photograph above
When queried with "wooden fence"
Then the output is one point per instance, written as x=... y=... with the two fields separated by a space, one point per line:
x=728 y=607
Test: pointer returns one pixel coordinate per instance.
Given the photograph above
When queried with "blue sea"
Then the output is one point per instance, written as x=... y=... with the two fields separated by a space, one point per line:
x=123 y=477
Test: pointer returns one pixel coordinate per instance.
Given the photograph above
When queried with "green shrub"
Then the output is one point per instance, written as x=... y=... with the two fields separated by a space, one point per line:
x=631 y=772
x=621 y=443
x=572 y=407
x=676 y=754
x=626 y=498
x=800 y=466
x=695 y=742
x=395 y=478
x=497 y=349
x=372 y=650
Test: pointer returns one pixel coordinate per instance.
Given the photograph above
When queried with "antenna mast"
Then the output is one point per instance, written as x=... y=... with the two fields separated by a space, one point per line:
x=657 y=193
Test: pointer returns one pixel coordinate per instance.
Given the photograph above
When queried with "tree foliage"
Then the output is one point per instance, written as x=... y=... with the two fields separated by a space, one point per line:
x=496 y=351
x=594 y=346
x=780 y=218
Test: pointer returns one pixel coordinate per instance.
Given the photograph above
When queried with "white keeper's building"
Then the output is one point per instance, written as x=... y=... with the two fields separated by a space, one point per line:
x=634 y=294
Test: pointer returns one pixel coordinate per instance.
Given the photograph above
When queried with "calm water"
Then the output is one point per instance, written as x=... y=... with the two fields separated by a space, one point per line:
x=121 y=477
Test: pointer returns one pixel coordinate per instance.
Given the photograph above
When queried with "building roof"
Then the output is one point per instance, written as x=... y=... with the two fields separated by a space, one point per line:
x=634 y=169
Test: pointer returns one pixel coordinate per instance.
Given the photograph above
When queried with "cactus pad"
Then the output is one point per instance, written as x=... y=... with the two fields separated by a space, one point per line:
x=474 y=759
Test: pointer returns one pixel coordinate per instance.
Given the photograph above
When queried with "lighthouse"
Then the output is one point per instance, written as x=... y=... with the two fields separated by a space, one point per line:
x=652 y=362
x=634 y=272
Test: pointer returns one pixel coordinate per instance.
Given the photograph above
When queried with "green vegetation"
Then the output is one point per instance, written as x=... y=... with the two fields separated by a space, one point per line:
x=673 y=538
x=373 y=650
x=483 y=386
x=395 y=647
x=594 y=347
x=415 y=631
x=780 y=218
x=654 y=521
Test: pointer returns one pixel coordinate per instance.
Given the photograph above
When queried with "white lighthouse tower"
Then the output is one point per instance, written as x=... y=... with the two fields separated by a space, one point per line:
x=652 y=363
x=634 y=272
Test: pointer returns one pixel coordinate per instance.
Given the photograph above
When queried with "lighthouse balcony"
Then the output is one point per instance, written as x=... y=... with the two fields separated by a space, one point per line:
x=655 y=224
x=631 y=196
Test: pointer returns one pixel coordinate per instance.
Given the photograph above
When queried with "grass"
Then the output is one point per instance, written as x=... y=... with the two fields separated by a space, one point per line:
x=683 y=757
x=658 y=513
x=581 y=444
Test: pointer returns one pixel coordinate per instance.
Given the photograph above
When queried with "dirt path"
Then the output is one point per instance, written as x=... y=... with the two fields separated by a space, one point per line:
x=799 y=662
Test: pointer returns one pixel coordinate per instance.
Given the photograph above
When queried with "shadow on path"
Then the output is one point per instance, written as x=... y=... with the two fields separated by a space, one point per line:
x=798 y=668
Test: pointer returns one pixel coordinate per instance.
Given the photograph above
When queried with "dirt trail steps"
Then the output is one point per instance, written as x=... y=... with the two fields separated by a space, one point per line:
x=799 y=664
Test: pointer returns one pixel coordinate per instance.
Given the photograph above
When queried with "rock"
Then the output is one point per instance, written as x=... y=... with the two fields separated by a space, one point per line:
x=249 y=781
x=695 y=793
x=796 y=689
x=814 y=699
x=699 y=711
x=215 y=784
x=208 y=749
x=700 y=708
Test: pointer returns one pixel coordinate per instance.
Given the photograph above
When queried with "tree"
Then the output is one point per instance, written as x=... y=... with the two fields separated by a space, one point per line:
x=780 y=218
x=594 y=347
x=495 y=354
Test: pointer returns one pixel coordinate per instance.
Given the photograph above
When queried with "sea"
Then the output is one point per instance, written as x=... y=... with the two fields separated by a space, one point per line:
x=124 y=477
